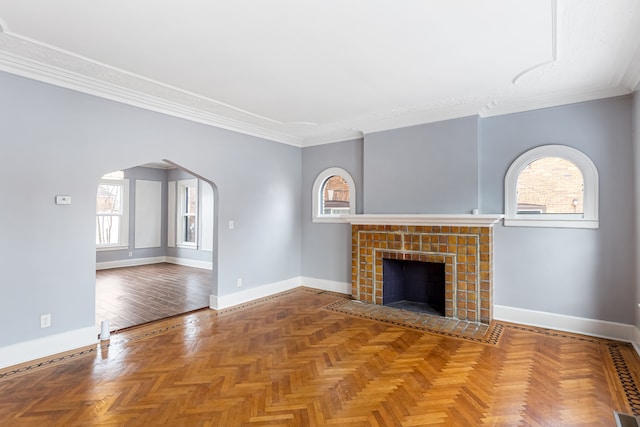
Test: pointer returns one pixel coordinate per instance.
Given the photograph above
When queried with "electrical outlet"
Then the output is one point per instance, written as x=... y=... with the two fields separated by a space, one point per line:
x=45 y=320
x=130 y=253
x=239 y=282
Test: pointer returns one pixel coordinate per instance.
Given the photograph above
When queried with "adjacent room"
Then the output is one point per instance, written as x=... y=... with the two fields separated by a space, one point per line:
x=154 y=245
x=320 y=213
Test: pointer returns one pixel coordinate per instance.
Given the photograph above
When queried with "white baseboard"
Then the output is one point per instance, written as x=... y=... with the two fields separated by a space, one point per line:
x=226 y=301
x=208 y=265
x=326 y=285
x=26 y=351
x=129 y=262
x=636 y=339
x=580 y=325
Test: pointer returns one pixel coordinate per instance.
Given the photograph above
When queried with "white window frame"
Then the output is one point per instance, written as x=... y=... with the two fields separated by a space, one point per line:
x=180 y=214
x=318 y=186
x=587 y=219
x=123 y=238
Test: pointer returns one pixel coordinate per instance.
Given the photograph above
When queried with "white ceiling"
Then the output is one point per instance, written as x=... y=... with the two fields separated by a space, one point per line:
x=308 y=72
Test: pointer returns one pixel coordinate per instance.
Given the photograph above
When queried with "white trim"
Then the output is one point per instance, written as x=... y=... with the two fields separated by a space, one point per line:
x=636 y=339
x=474 y=220
x=557 y=223
x=111 y=248
x=226 y=301
x=318 y=186
x=589 y=219
x=129 y=262
x=207 y=265
x=26 y=351
x=327 y=285
x=183 y=185
x=36 y=60
x=123 y=238
x=172 y=210
x=561 y=322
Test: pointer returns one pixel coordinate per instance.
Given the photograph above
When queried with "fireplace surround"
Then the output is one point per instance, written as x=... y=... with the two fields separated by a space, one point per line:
x=463 y=243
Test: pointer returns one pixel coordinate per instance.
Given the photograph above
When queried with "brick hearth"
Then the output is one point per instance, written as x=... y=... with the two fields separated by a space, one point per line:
x=466 y=251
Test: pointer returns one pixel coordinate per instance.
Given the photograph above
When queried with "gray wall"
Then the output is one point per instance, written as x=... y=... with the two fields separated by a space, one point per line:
x=56 y=141
x=326 y=247
x=451 y=166
x=431 y=168
x=636 y=145
x=584 y=273
x=133 y=174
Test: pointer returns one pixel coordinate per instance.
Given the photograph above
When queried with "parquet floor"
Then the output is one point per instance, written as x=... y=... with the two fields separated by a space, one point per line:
x=297 y=359
x=131 y=296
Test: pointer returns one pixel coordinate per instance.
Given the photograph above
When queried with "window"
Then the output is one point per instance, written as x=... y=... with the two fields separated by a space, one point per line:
x=112 y=212
x=552 y=186
x=333 y=195
x=188 y=213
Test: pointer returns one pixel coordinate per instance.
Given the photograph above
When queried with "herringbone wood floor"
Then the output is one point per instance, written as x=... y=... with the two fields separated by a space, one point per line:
x=290 y=361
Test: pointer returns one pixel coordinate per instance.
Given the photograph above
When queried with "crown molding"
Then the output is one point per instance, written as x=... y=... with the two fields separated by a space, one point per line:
x=523 y=104
x=38 y=61
x=27 y=58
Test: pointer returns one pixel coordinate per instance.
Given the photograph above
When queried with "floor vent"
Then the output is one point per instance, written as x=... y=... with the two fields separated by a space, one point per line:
x=625 y=420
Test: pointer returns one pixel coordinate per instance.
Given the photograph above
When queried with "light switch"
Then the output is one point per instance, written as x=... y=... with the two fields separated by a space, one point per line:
x=63 y=200
x=231 y=225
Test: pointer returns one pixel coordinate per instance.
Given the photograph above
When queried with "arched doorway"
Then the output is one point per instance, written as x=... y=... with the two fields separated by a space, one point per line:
x=156 y=244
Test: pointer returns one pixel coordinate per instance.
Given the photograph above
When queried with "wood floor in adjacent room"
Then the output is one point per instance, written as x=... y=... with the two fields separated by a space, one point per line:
x=131 y=296
x=297 y=359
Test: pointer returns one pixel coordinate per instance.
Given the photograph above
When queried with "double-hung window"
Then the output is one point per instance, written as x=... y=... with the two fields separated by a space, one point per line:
x=112 y=212
x=188 y=213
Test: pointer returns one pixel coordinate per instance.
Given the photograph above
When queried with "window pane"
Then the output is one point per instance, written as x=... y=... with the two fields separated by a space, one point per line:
x=191 y=200
x=107 y=229
x=109 y=199
x=190 y=229
x=550 y=185
x=335 y=196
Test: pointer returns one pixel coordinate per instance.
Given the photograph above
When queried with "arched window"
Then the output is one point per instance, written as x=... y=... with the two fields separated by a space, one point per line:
x=334 y=194
x=552 y=186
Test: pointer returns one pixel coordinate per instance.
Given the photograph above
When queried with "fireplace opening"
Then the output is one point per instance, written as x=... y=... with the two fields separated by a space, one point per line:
x=414 y=285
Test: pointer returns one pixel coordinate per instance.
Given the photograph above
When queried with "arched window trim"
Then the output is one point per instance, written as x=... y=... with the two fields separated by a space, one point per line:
x=589 y=219
x=317 y=215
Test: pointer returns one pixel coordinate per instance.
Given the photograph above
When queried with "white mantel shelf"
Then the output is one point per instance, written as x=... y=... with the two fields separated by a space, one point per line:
x=473 y=220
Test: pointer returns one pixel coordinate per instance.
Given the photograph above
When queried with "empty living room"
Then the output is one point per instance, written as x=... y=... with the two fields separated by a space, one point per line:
x=320 y=213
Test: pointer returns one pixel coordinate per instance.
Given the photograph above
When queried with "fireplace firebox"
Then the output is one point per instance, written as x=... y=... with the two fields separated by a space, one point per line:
x=414 y=285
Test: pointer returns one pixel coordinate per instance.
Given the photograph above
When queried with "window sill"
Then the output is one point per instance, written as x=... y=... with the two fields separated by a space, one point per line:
x=330 y=219
x=112 y=248
x=187 y=245
x=552 y=223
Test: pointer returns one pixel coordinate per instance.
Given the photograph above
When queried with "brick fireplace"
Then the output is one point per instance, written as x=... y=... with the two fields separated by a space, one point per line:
x=463 y=243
